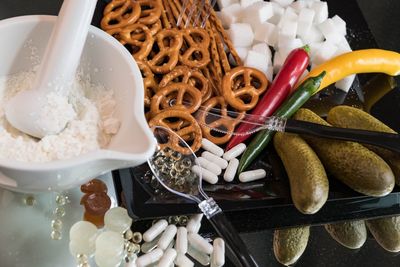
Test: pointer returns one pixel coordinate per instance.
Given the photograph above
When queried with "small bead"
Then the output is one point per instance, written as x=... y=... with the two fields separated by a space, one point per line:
x=183 y=220
x=56 y=235
x=56 y=224
x=173 y=219
x=133 y=248
x=81 y=258
x=128 y=234
x=61 y=200
x=59 y=212
x=137 y=237
x=30 y=201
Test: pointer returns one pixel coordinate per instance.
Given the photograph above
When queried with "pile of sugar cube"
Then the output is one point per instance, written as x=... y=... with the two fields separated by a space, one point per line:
x=256 y=26
x=214 y=160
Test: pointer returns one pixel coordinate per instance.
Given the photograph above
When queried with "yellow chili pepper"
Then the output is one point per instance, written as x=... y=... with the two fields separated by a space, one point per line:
x=359 y=61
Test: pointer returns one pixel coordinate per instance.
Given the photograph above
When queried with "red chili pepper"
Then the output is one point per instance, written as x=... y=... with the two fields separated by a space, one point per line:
x=283 y=84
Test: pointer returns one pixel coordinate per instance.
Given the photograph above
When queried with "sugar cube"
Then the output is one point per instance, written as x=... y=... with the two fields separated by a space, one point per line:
x=278 y=12
x=257 y=60
x=345 y=83
x=305 y=73
x=288 y=29
x=329 y=31
x=241 y=34
x=283 y=3
x=312 y=36
x=325 y=52
x=224 y=3
x=257 y=13
x=298 y=6
x=321 y=11
x=230 y=14
x=340 y=24
x=291 y=45
x=266 y=32
x=262 y=48
x=242 y=52
x=288 y=15
x=305 y=20
x=246 y=3
x=270 y=73
x=278 y=62
x=314 y=47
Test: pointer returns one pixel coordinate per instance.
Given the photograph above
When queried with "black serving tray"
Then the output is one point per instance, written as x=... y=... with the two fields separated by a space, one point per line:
x=266 y=204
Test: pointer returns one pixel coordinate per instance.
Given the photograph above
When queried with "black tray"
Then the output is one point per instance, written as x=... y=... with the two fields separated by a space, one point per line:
x=266 y=204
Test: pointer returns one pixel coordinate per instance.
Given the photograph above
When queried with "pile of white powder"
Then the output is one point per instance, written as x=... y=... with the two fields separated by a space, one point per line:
x=90 y=128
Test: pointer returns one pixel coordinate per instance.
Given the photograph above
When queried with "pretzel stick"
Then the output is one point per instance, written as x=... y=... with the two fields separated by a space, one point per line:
x=169 y=13
x=222 y=54
x=164 y=16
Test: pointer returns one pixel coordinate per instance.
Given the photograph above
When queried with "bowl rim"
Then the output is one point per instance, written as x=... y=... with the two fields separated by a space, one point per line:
x=95 y=155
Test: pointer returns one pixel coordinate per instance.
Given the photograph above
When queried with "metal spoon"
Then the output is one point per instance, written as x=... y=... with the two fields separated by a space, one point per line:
x=174 y=171
x=28 y=111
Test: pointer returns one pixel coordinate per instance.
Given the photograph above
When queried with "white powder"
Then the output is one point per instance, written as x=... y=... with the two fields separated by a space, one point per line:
x=91 y=122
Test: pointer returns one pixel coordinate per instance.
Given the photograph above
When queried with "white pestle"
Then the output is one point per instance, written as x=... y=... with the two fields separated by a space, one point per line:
x=44 y=109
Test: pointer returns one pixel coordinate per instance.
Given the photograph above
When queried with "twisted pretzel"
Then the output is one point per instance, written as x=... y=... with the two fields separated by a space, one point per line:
x=168 y=42
x=193 y=77
x=155 y=27
x=190 y=131
x=185 y=97
x=210 y=122
x=120 y=13
x=196 y=55
x=139 y=38
x=242 y=86
x=150 y=11
x=149 y=83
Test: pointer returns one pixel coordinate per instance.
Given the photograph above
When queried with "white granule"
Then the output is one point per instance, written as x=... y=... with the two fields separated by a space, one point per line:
x=90 y=127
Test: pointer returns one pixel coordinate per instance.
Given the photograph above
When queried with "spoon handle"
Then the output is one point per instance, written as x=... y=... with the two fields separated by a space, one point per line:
x=64 y=49
x=234 y=242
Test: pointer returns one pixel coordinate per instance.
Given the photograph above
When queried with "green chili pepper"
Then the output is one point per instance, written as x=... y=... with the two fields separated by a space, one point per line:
x=288 y=108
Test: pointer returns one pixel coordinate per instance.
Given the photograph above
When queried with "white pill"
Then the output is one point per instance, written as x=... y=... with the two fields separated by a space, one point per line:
x=199 y=256
x=167 y=237
x=252 y=175
x=155 y=230
x=199 y=243
x=206 y=164
x=218 y=255
x=215 y=159
x=206 y=175
x=234 y=152
x=194 y=223
x=182 y=261
x=149 y=258
x=230 y=171
x=168 y=258
x=181 y=243
x=211 y=147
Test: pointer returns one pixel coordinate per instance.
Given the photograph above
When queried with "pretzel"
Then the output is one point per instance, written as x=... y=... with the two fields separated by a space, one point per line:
x=185 y=97
x=119 y=14
x=139 y=38
x=190 y=131
x=150 y=11
x=193 y=77
x=196 y=54
x=168 y=42
x=225 y=123
x=116 y=33
x=155 y=27
x=252 y=85
x=149 y=83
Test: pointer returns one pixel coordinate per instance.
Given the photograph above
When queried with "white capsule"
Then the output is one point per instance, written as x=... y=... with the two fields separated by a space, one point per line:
x=155 y=230
x=194 y=223
x=234 y=152
x=211 y=147
x=215 y=159
x=199 y=243
x=181 y=243
x=205 y=174
x=252 y=175
x=167 y=237
x=168 y=258
x=199 y=256
x=149 y=258
x=212 y=167
x=182 y=261
x=230 y=171
x=218 y=255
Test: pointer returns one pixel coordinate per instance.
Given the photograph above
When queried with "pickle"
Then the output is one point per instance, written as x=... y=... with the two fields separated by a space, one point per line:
x=352 y=234
x=351 y=163
x=386 y=232
x=309 y=184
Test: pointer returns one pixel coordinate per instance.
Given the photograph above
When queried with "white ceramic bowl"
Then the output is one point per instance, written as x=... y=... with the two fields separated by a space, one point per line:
x=108 y=63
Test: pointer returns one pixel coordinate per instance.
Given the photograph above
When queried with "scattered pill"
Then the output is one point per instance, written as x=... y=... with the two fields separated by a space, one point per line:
x=149 y=246
x=230 y=171
x=194 y=223
x=199 y=256
x=149 y=258
x=181 y=243
x=211 y=147
x=199 y=243
x=218 y=255
x=168 y=258
x=234 y=152
x=206 y=175
x=155 y=230
x=252 y=175
x=167 y=237
x=215 y=159
x=182 y=261
x=212 y=167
